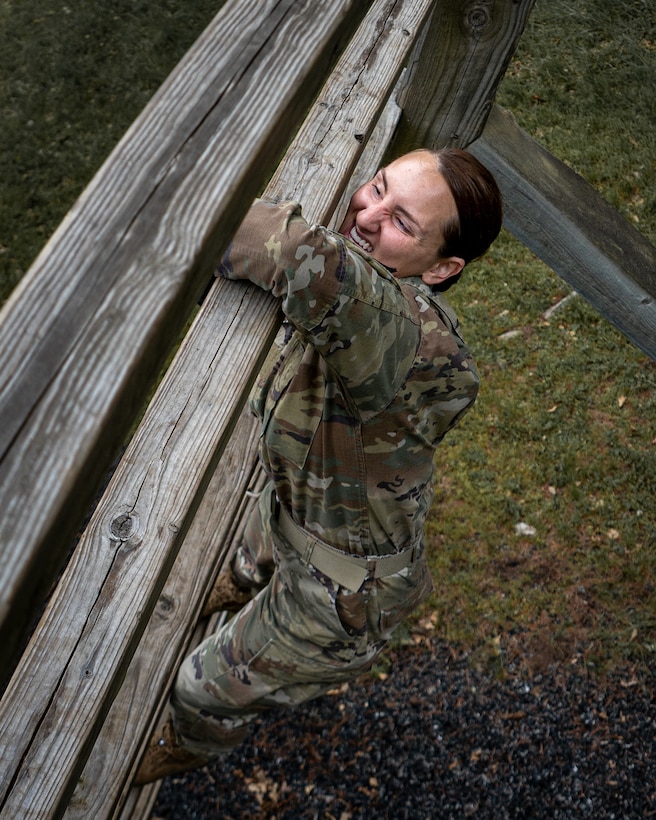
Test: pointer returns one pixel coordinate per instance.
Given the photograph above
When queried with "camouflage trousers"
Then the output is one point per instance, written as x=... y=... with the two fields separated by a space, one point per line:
x=300 y=636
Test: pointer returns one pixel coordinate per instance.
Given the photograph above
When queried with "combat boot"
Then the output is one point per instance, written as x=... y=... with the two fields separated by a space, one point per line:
x=164 y=757
x=226 y=595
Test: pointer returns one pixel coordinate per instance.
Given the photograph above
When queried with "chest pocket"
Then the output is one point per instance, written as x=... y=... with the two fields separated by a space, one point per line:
x=294 y=404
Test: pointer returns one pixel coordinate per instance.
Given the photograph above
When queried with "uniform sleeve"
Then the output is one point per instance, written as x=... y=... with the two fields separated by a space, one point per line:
x=351 y=310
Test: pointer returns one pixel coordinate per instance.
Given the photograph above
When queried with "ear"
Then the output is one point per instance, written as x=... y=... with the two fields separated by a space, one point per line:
x=444 y=269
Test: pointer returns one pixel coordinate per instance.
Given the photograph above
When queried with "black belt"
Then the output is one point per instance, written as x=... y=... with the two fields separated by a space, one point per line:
x=349 y=571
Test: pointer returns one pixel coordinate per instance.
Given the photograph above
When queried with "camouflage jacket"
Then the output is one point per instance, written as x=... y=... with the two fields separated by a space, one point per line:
x=357 y=394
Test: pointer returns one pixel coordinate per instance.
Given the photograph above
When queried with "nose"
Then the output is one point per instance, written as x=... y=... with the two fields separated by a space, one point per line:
x=370 y=217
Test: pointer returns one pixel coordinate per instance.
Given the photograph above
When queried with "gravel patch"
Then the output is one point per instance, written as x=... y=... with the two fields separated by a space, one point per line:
x=437 y=738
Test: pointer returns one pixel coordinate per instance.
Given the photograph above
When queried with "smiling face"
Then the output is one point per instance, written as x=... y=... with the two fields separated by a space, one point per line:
x=398 y=218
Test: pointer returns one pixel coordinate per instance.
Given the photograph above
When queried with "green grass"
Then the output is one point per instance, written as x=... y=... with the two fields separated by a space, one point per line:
x=582 y=83
x=564 y=433
x=74 y=74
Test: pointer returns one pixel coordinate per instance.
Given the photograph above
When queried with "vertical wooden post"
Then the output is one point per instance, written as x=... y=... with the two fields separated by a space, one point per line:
x=462 y=59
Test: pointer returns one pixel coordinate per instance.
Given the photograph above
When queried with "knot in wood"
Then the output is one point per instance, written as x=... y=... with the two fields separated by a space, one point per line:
x=477 y=19
x=123 y=526
x=165 y=604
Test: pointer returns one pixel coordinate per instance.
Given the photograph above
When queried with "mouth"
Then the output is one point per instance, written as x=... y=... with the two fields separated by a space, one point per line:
x=360 y=241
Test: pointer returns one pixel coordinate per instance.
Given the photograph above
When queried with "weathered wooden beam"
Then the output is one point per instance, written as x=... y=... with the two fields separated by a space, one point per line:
x=316 y=168
x=86 y=331
x=97 y=615
x=453 y=79
x=572 y=228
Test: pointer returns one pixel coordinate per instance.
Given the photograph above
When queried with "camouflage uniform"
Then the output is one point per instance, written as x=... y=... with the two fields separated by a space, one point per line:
x=368 y=377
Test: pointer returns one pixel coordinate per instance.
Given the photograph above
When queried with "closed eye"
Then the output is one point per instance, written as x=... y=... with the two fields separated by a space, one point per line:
x=402 y=225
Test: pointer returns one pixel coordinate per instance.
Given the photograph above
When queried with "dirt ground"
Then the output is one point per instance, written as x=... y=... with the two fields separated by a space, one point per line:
x=436 y=738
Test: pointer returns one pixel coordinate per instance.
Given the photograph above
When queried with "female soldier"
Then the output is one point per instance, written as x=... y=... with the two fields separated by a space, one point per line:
x=367 y=376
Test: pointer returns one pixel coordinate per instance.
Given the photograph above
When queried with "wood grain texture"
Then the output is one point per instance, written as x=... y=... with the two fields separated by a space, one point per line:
x=572 y=228
x=134 y=711
x=216 y=529
x=83 y=336
x=457 y=72
x=348 y=108
x=117 y=576
x=96 y=617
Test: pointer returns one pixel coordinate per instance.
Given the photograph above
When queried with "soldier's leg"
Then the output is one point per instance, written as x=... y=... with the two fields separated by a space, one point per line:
x=298 y=638
x=250 y=568
x=286 y=646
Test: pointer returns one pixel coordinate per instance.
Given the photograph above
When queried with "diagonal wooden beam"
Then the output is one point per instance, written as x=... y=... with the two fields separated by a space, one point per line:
x=82 y=649
x=571 y=227
x=85 y=333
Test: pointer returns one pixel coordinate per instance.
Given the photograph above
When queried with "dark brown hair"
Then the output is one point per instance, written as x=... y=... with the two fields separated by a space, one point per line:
x=478 y=200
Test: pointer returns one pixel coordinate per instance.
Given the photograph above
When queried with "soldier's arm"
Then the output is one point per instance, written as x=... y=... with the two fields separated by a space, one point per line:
x=349 y=308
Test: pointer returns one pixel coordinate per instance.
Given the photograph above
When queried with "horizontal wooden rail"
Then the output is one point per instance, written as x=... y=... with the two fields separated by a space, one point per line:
x=86 y=331
x=571 y=227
